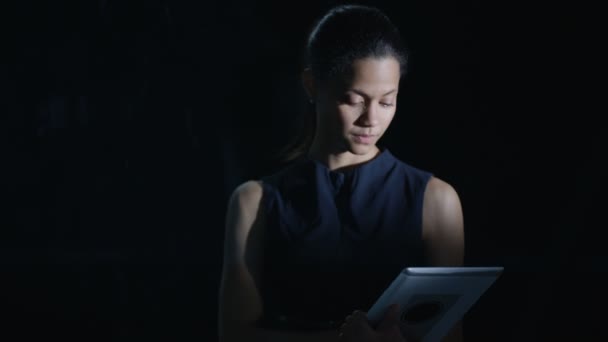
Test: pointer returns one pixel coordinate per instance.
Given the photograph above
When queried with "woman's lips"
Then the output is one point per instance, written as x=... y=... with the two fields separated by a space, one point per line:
x=364 y=138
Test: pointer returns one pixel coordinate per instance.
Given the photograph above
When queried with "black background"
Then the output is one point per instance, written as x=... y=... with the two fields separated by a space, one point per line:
x=126 y=125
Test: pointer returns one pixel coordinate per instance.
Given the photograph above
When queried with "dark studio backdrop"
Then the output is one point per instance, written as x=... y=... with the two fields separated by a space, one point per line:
x=127 y=124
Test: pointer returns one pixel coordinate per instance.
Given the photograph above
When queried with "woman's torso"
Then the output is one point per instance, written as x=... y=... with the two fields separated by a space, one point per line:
x=335 y=240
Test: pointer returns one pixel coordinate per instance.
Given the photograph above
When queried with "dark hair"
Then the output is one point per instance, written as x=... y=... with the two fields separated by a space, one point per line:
x=344 y=34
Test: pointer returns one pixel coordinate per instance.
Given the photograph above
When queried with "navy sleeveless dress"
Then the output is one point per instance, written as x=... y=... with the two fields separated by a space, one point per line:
x=336 y=239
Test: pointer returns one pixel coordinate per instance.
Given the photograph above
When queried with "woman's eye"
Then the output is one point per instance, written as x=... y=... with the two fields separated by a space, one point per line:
x=352 y=100
x=387 y=104
x=356 y=103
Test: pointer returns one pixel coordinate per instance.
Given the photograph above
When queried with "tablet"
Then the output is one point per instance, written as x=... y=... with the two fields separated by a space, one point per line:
x=433 y=299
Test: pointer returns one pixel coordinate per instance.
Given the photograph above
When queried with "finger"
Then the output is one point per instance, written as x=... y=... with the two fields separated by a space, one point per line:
x=358 y=328
x=348 y=319
x=394 y=313
x=390 y=319
x=393 y=334
x=360 y=322
x=357 y=333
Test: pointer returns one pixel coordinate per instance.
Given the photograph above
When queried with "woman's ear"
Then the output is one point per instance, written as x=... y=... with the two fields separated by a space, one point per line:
x=308 y=83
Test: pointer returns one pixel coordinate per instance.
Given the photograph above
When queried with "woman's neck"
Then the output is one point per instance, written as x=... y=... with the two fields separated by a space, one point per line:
x=336 y=159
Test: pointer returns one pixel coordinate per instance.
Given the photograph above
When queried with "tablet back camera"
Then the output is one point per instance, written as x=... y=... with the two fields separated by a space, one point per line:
x=422 y=312
x=425 y=309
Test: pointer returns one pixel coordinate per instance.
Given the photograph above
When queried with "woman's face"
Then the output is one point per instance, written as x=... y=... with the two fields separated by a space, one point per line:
x=355 y=111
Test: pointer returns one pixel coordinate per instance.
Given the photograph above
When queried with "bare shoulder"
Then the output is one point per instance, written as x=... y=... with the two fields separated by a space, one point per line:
x=246 y=198
x=249 y=192
x=239 y=300
x=442 y=223
x=439 y=193
x=243 y=218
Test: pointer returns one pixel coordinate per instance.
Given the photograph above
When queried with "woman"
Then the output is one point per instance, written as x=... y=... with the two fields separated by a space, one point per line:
x=309 y=247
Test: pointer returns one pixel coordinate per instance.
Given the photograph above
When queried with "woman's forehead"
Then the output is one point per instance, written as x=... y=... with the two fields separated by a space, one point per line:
x=371 y=76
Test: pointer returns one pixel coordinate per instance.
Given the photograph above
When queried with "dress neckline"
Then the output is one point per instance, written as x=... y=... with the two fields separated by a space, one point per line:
x=384 y=154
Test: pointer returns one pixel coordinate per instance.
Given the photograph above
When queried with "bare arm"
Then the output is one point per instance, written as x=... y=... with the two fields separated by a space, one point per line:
x=443 y=233
x=240 y=303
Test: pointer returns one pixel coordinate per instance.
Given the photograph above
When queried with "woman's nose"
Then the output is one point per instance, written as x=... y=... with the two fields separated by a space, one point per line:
x=369 y=115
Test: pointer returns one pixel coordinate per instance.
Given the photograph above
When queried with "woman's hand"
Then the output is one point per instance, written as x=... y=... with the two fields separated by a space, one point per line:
x=356 y=328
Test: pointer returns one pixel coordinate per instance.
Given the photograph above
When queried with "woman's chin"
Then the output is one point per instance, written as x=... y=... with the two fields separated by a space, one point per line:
x=361 y=149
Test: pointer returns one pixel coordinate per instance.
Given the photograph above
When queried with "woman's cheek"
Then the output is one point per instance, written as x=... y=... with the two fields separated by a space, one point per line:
x=346 y=116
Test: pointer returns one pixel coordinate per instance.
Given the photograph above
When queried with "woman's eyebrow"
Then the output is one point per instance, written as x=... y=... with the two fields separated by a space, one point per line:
x=365 y=95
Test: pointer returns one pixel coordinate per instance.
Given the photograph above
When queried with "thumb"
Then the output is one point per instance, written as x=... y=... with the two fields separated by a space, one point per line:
x=391 y=318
